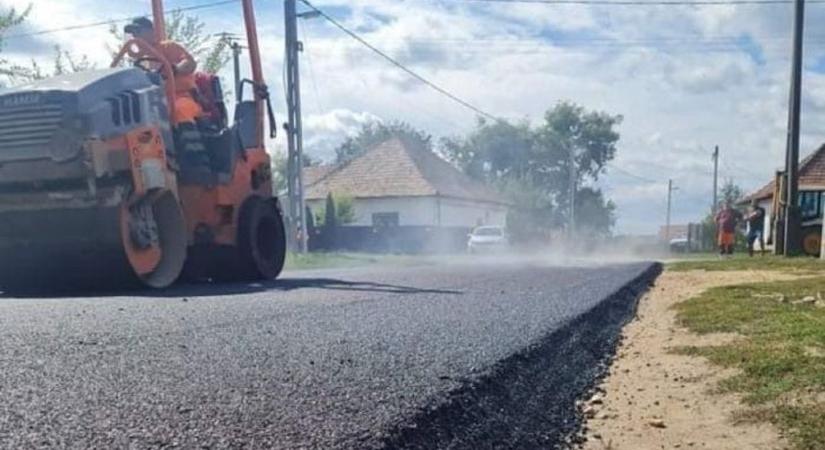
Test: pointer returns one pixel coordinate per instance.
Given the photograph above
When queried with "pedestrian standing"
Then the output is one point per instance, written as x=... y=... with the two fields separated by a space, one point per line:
x=726 y=220
x=756 y=227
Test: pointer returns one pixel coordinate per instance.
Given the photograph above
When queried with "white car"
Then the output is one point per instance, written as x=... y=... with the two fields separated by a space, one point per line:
x=486 y=239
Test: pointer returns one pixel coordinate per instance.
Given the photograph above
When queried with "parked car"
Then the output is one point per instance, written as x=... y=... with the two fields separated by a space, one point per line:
x=488 y=238
x=679 y=245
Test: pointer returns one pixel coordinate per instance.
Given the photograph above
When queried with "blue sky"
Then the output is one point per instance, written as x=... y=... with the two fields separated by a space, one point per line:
x=684 y=77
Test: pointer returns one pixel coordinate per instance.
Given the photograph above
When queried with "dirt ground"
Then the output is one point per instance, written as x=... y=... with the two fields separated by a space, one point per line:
x=653 y=399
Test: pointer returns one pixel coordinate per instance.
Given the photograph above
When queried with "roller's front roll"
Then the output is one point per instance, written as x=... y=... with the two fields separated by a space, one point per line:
x=134 y=243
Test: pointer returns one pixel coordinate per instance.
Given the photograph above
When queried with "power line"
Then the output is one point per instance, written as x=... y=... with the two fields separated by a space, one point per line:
x=632 y=175
x=646 y=3
x=114 y=21
x=401 y=66
x=311 y=70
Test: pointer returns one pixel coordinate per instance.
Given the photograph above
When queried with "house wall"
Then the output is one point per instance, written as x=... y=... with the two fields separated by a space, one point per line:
x=463 y=213
x=412 y=211
x=767 y=205
x=425 y=211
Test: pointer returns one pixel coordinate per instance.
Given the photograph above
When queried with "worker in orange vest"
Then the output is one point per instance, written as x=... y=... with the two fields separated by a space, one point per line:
x=726 y=220
x=187 y=108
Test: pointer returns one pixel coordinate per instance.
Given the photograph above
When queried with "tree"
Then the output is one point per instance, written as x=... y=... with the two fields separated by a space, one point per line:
x=374 y=133
x=339 y=209
x=595 y=215
x=211 y=53
x=730 y=193
x=589 y=136
x=494 y=151
x=532 y=164
x=63 y=63
x=344 y=210
x=330 y=221
x=279 y=169
x=10 y=18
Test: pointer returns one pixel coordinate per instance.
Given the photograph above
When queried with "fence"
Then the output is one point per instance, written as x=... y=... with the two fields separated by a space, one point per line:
x=405 y=239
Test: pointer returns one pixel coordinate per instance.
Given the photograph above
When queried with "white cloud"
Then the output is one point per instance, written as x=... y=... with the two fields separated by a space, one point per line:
x=325 y=131
x=685 y=78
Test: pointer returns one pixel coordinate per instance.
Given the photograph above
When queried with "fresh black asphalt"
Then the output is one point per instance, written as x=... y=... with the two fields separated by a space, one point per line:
x=453 y=356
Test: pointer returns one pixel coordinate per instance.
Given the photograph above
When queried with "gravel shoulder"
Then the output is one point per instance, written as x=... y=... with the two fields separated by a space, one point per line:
x=655 y=399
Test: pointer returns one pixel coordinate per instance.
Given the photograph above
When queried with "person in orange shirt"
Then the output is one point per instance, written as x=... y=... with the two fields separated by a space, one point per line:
x=187 y=108
x=726 y=221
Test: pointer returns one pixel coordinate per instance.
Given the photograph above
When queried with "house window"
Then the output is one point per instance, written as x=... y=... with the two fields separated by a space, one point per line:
x=810 y=204
x=388 y=219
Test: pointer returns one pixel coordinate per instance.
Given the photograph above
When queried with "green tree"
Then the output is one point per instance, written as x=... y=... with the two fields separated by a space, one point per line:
x=532 y=165
x=730 y=193
x=9 y=19
x=589 y=136
x=339 y=209
x=63 y=63
x=595 y=215
x=494 y=151
x=344 y=210
x=330 y=221
x=374 y=133
x=279 y=169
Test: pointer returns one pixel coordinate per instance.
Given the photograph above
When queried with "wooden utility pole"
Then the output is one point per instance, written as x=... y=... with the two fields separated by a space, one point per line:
x=236 y=66
x=295 y=163
x=670 y=190
x=574 y=181
x=793 y=237
x=715 y=204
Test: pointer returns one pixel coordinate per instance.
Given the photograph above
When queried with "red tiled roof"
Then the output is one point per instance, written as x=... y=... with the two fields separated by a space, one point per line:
x=811 y=176
x=314 y=174
x=396 y=169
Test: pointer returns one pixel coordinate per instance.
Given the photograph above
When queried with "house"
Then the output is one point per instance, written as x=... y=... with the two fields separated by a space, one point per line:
x=811 y=189
x=409 y=190
x=674 y=232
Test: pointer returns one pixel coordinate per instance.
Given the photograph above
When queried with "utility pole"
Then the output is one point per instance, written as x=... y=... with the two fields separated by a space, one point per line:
x=715 y=204
x=295 y=164
x=793 y=241
x=670 y=190
x=574 y=180
x=236 y=63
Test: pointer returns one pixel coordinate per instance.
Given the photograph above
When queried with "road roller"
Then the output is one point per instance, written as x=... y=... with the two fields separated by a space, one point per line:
x=101 y=185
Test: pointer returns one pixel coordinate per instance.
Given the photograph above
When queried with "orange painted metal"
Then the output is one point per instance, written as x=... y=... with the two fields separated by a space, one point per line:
x=144 y=145
x=257 y=71
x=215 y=207
x=159 y=20
x=143 y=261
x=207 y=205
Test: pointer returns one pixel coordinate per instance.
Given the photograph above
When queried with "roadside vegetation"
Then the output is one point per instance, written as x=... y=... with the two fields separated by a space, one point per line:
x=781 y=352
x=331 y=260
x=711 y=262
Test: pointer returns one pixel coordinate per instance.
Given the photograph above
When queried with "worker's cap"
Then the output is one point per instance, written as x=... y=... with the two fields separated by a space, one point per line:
x=139 y=25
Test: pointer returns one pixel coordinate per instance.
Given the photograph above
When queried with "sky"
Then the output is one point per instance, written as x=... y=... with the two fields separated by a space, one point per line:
x=684 y=77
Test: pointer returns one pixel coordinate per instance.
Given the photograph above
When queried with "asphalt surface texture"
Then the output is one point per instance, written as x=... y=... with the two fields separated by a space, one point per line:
x=458 y=356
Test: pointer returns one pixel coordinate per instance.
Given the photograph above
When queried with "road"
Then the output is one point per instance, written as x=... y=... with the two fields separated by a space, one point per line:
x=359 y=358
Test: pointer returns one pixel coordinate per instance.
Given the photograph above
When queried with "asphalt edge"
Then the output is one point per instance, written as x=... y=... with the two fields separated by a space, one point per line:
x=529 y=400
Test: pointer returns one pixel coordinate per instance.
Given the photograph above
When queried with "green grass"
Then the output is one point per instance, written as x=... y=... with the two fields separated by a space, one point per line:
x=800 y=264
x=781 y=352
x=324 y=260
